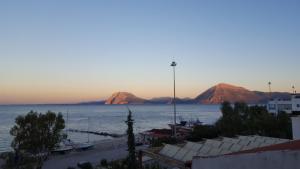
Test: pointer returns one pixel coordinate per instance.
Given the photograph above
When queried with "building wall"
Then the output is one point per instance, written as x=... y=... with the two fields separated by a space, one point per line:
x=296 y=127
x=289 y=106
x=263 y=160
x=296 y=103
x=278 y=105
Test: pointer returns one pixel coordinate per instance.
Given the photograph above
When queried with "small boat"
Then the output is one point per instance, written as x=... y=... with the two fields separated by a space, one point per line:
x=78 y=146
x=195 y=123
x=62 y=149
x=83 y=146
x=184 y=123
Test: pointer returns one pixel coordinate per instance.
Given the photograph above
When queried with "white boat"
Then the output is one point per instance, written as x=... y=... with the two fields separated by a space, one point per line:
x=78 y=146
x=83 y=146
x=62 y=149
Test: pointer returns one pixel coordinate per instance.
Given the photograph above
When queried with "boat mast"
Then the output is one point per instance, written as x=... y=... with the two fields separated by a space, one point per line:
x=88 y=129
x=67 y=122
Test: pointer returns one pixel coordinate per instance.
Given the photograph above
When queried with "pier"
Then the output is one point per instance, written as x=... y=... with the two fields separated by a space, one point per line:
x=97 y=133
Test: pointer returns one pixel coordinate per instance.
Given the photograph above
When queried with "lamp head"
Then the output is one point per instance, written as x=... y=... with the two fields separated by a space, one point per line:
x=173 y=63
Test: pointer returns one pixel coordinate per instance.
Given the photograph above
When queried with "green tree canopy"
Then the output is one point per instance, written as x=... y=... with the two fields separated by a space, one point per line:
x=241 y=119
x=36 y=134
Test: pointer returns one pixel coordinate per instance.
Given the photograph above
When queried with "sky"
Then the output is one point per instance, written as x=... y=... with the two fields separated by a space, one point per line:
x=65 y=51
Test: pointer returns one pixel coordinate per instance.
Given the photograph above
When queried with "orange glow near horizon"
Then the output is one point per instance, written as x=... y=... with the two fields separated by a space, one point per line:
x=57 y=95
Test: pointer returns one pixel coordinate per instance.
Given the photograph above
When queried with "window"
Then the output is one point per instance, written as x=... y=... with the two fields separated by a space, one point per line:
x=298 y=105
x=272 y=106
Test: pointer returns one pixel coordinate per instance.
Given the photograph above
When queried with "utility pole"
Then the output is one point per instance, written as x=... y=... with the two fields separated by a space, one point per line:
x=269 y=90
x=294 y=89
x=173 y=64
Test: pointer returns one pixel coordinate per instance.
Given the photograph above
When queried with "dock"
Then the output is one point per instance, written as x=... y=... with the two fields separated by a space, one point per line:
x=97 y=133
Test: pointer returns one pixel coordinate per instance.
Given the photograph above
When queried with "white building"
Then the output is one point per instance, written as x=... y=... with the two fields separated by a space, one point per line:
x=289 y=106
x=296 y=127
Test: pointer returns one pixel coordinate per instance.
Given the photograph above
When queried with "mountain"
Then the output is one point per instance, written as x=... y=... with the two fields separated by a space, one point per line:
x=160 y=100
x=226 y=92
x=124 y=98
x=169 y=100
x=214 y=95
x=129 y=98
x=91 y=103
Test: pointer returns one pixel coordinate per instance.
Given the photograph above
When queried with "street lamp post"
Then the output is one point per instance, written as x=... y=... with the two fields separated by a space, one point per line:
x=293 y=89
x=270 y=96
x=173 y=64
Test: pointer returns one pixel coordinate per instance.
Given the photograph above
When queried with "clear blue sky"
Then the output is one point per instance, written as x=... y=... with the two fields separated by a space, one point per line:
x=68 y=51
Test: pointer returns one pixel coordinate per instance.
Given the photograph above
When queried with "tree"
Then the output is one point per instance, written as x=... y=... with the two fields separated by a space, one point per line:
x=131 y=142
x=242 y=119
x=230 y=123
x=36 y=134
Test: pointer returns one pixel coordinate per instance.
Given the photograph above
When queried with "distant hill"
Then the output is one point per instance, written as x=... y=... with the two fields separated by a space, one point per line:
x=169 y=100
x=214 y=95
x=124 y=98
x=160 y=100
x=265 y=96
x=226 y=92
x=92 y=103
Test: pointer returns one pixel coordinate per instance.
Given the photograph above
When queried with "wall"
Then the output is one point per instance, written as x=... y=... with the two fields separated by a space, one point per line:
x=296 y=127
x=280 y=105
x=296 y=102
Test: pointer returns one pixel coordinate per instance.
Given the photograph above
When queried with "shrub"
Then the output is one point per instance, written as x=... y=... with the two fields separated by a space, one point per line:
x=85 y=165
x=203 y=131
x=103 y=163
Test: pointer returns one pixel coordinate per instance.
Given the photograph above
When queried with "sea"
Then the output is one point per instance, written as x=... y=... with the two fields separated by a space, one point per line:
x=106 y=118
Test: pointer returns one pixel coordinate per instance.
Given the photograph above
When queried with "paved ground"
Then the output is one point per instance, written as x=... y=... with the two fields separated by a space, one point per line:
x=1 y=162
x=94 y=156
x=109 y=150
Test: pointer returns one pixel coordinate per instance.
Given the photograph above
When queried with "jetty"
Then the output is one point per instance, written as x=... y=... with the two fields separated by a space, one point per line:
x=113 y=135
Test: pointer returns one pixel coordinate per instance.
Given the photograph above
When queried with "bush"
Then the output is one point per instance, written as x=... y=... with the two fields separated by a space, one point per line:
x=153 y=166
x=22 y=161
x=103 y=163
x=159 y=142
x=203 y=131
x=85 y=165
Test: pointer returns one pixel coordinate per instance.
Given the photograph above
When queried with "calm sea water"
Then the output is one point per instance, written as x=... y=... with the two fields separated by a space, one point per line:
x=107 y=118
